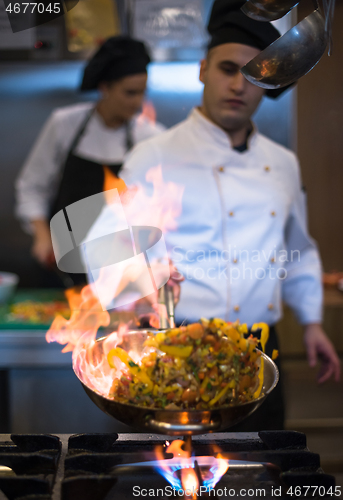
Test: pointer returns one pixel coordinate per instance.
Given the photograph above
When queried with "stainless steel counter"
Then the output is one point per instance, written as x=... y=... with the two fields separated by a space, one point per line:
x=28 y=348
x=39 y=392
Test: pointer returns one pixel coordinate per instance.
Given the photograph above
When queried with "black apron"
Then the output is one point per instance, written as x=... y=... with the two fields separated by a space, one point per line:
x=81 y=178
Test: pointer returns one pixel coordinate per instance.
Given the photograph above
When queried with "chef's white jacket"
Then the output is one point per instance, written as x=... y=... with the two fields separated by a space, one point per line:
x=39 y=178
x=241 y=240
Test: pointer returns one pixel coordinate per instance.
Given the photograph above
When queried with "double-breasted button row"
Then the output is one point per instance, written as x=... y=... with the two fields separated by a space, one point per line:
x=232 y=213
x=235 y=260
x=237 y=308
x=266 y=168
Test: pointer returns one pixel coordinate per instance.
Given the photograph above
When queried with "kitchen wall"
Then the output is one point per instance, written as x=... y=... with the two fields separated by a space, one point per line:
x=320 y=146
x=30 y=90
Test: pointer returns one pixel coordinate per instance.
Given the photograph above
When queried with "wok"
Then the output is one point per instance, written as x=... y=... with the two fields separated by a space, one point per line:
x=291 y=56
x=175 y=422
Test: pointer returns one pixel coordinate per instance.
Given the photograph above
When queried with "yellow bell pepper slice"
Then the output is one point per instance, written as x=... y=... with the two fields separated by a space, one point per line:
x=264 y=339
x=134 y=369
x=160 y=337
x=233 y=334
x=242 y=329
x=171 y=388
x=260 y=378
x=219 y=323
x=177 y=351
x=242 y=344
x=220 y=395
x=170 y=333
x=264 y=333
x=275 y=354
x=151 y=342
x=205 y=397
x=204 y=383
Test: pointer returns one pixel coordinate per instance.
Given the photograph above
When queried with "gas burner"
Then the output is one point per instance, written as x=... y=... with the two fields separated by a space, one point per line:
x=112 y=466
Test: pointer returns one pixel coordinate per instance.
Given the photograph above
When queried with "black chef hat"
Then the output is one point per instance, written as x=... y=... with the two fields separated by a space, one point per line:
x=119 y=56
x=228 y=24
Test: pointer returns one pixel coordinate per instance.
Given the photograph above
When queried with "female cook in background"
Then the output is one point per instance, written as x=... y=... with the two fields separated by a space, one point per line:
x=78 y=143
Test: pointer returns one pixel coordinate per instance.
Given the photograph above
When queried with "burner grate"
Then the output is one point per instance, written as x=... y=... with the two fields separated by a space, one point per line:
x=33 y=460
x=102 y=466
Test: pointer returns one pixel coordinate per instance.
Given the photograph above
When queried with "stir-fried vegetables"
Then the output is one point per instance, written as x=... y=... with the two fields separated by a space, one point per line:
x=199 y=366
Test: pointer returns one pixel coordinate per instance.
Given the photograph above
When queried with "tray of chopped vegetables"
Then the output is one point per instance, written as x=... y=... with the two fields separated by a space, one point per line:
x=202 y=377
x=33 y=309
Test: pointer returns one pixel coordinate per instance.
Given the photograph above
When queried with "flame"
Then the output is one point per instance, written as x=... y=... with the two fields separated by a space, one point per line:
x=79 y=333
x=189 y=482
x=111 y=181
x=176 y=448
x=222 y=463
x=86 y=318
x=161 y=209
x=180 y=470
x=148 y=113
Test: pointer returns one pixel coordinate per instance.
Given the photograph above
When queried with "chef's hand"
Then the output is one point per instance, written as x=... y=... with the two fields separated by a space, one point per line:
x=318 y=346
x=160 y=310
x=42 y=246
x=150 y=302
x=174 y=281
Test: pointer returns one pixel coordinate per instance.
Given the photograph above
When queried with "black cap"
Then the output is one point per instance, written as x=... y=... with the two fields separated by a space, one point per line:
x=119 y=56
x=228 y=24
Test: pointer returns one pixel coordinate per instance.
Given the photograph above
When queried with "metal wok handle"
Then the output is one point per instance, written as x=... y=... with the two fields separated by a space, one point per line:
x=182 y=429
x=166 y=297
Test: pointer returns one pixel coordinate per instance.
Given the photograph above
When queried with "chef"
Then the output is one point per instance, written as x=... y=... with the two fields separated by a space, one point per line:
x=242 y=242
x=79 y=143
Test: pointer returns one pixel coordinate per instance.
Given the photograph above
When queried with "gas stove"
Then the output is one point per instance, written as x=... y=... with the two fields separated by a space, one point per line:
x=114 y=467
